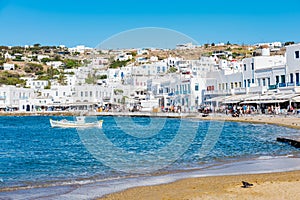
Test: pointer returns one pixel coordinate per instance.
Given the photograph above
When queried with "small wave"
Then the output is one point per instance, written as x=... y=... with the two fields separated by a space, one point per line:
x=274 y=157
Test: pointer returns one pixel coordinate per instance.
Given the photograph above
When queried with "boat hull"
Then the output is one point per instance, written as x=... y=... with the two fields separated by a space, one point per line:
x=74 y=124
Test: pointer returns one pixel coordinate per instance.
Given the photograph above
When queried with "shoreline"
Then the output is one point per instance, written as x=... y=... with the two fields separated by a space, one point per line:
x=178 y=185
x=277 y=185
x=290 y=121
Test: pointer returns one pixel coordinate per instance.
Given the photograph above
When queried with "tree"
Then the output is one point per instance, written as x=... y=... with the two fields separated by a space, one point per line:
x=37 y=45
x=117 y=64
x=91 y=79
x=118 y=91
x=44 y=60
x=289 y=43
x=102 y=76
x=69 y=63
x=33 y=68
x=61 y=79
x=172 y=70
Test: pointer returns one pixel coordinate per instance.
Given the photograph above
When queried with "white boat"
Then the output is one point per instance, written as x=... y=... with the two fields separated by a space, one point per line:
x=79 y=123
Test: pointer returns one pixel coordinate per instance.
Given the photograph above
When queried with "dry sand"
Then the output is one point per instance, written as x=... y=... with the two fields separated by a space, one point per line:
x=285 y=185
x=290 y=121
x=265 y=186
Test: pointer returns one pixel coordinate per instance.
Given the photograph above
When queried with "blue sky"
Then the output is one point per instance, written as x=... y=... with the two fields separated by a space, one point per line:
x=90 y=22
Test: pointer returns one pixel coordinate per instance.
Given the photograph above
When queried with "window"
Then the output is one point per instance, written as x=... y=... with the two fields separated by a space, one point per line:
x=253 y=80
x=297 y=54
x=297 y=77
x=282 y=78
x=245 y=83
x=231 y=85
x=248 y=80
x=91 y=93
x=235 y=85
x=277 y=79
x=240 y=84
x=245 y=67
x=196 y=87
x=258 y=81
x=264 y=82
x=252 y=66
x=269 y=81
x=291 y=78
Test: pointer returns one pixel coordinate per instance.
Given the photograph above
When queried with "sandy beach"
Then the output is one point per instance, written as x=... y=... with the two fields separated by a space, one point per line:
x=265 y=186
x=284 y=185
x=291 y=121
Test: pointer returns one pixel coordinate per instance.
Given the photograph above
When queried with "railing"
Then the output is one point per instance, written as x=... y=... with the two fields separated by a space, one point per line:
x=290 y=84
x=272 y=87
x=282 y=84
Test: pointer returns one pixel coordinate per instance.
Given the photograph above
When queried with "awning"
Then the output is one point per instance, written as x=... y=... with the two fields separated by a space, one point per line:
x=263 y=101
x=286 y=96
x=230 y=101
x=217 y=99
x=296 y=99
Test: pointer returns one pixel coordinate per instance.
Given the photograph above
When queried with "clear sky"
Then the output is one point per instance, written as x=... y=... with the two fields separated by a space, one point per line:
x=89 y=22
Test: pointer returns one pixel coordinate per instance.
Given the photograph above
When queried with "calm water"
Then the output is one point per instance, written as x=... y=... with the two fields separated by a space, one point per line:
x=32 y=153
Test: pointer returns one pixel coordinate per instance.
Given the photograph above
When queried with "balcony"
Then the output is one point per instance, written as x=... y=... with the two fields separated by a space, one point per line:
x=238 y=91
x=272 y=87
x=282 y=84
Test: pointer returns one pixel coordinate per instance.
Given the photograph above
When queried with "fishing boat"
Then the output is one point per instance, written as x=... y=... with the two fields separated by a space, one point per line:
x=79 y=123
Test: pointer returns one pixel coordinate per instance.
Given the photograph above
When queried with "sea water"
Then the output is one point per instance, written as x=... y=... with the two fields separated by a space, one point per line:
x=34 y=155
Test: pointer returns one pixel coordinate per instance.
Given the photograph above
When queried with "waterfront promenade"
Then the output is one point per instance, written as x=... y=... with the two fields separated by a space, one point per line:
x=291 y=121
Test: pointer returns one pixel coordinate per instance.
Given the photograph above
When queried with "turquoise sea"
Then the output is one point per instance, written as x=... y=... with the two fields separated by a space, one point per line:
x=35 y=156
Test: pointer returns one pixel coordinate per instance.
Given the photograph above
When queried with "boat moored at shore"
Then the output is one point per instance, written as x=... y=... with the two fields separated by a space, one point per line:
x=79 y=123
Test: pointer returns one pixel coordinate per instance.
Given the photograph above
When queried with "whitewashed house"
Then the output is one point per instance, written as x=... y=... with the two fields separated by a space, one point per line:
x=293 y=64
x=10 y=96
x=36 y=85
x=8 y=66
x=55 y=64
x=250 y=65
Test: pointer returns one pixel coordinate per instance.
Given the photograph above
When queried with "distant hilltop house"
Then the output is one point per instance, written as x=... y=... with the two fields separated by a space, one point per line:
x=274 y=46
x=55 y=64
x=40 y=57
x=185 y=46
x=124 y=56
x=100 y=61
x=7 y=66
x=80 y=49
x=36 y=85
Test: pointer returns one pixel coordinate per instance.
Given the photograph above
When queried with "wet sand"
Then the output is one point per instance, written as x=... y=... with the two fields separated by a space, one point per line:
x=265 y=186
